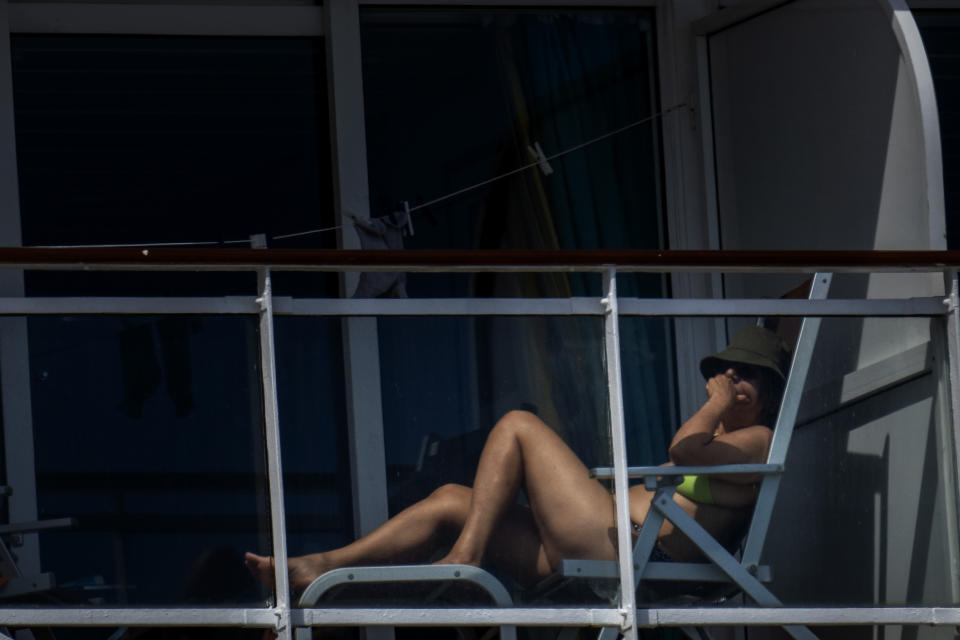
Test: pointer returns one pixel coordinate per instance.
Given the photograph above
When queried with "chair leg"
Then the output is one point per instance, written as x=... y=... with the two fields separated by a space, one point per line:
x=726 y=562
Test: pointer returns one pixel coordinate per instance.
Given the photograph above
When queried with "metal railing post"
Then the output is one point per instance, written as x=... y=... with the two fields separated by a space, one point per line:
x=611 y=339
x=952 y=319
x=271 y=421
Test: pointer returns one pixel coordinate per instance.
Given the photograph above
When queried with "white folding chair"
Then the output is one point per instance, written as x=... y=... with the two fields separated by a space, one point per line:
x=723 y=567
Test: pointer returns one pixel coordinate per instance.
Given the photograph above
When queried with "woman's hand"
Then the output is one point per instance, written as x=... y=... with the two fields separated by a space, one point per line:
x=721 y=391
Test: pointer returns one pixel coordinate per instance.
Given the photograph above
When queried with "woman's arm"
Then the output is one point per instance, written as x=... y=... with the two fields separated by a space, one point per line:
x=698 y=441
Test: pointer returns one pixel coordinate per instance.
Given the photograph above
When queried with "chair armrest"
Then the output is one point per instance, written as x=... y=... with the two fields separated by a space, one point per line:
x=394 y=574
x=37 y=525
x=674 y=571
x=659 y=476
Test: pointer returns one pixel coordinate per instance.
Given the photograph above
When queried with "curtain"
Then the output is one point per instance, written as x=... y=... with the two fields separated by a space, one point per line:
x=571 y=79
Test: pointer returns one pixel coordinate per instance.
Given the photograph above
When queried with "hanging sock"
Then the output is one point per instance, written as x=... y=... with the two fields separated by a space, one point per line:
x=174 y=335
x=383 y=233
x=140 y=369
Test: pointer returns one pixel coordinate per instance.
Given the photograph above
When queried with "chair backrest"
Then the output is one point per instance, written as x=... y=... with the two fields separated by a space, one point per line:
x=786 y=420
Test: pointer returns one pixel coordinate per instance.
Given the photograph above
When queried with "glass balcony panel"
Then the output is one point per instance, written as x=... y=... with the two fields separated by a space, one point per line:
x=648 y=373
x=866 y=509
x=445 y=382
x=148 y=434
x=313 y=434
x=872 y=471
x=870 y=479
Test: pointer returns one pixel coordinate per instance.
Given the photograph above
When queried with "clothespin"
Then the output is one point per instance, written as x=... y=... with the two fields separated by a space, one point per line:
x=427 y=211
x=406 y=209
x=541 y=158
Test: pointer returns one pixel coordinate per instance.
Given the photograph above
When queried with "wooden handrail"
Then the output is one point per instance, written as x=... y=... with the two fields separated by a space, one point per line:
x=233 y=259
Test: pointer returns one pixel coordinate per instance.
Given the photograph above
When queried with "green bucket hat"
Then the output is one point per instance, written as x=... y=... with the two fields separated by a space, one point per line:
x=751 y=345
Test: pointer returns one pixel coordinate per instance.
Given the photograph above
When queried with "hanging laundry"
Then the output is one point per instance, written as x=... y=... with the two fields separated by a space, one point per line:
x=140 y=367
x=174 y=336
x=383 y=233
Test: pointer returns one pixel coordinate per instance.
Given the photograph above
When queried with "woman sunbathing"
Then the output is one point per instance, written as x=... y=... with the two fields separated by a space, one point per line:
x=569 y=514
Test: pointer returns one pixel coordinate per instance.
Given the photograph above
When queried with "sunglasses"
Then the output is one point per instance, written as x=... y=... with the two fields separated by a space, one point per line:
x=742 y=370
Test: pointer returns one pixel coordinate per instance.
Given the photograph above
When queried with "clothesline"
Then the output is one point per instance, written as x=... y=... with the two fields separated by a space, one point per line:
x=538 y=162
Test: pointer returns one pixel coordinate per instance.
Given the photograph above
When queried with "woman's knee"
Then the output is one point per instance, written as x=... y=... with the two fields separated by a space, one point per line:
x=450 y=502
x=519 y=421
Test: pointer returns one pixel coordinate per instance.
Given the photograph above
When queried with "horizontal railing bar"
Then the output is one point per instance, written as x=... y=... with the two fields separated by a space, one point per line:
x=647 y=307
x=265 y=618
x=128 y=305
x=439 y=307
x=934 y=616
x=215 y=617
x=449 y=260
x=780 y=307
x=443 y=617
x=146 y=617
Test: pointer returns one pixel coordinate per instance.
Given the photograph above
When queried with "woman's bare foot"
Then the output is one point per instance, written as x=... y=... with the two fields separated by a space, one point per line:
x=302 y=570
x=456 y=558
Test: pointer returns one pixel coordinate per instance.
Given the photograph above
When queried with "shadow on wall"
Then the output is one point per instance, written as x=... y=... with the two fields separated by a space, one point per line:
x=862 y=523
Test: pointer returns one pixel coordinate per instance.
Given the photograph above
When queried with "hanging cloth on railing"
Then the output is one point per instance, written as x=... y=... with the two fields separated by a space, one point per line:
x=385 y=232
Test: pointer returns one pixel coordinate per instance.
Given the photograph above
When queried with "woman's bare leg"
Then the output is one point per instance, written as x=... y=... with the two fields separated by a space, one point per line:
x=412 y=535
x=405 y=537
x=573 y=513
x=570 y=514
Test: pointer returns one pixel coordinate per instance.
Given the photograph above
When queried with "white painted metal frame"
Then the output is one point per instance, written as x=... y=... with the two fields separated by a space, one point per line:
x=952 y=333
x=611 y=341
x=159 y=18
x=14 y=359
x=918 y=68
x=360 y=334
x=343 y=307
x=271 y=423
x=541 y=617
x=283 y=617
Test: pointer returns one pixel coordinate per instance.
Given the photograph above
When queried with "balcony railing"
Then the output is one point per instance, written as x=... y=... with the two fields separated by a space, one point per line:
x=283 y=617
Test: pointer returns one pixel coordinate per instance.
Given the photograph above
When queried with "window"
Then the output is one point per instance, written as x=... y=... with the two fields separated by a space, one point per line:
x=162 y=139
x=455 y=100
